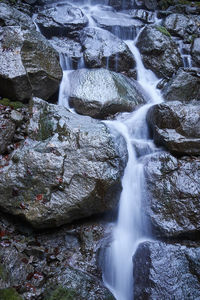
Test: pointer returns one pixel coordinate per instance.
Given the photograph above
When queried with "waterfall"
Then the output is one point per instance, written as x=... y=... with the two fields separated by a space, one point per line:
x=130 y=228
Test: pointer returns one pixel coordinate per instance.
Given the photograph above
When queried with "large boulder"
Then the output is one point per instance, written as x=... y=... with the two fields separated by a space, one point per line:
x=176 y=126
x=120 y=24
x=55 y=264
x=10 y=16
x=184 y=86
x=172 y=203
x=166 y=271
x=101 y=93
x=61 y=20
x=196 y=51
x=159 y=52
x=29 y=65
x=67 y=169
x=103 y=49
x=181 y=25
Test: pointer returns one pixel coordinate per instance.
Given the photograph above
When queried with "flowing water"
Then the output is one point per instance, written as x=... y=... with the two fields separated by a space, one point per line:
x=130 y=227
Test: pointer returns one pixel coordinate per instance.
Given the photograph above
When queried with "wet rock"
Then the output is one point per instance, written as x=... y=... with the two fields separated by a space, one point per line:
x=67 y=266
x=176 y=126
x=68 y=168
x=184 y=86
x=164 y=271
x=120 y=24
x=145 y=16
x=103 y=49
x=101 y=93
x=7 y=131
x=180 y=25
x=10 y=16
x=196 y=51
x=121 y=4
x=148 y=4
x=159 y=52
x=29 y=65
x=173 y=193
x=61 y=20
x=70 y=52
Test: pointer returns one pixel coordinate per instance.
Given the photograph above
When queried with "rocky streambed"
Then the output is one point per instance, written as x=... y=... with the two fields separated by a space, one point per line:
x=60 y=171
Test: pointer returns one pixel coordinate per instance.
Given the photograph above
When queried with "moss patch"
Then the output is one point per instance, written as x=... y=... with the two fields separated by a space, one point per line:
x=9 y=294
x=12 y=104
x=163 y=30
x=63 y=294
x=3 y=273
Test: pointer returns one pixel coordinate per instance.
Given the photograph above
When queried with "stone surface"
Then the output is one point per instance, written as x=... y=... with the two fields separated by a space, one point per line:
x=120 y=24
x=10 y=16
x=159 y=52
x=29 y=65
x=103 y=49
x=166 y=271
x=196 y=51
x=61 y=20
x=12 y=130
x=121 y=4
x=68 y=168
x=7 y=131
x=184 y=86
x=176 y=126
x=101 y=93
x=55 y=264
x=172 y=204
x=143 y=15
x=180 y=25
x=71 y=54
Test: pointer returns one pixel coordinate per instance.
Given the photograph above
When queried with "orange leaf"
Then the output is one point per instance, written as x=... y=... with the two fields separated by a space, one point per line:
x=39 y=197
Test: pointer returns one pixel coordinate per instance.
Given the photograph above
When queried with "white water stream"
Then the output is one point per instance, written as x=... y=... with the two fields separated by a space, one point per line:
x=130 y=229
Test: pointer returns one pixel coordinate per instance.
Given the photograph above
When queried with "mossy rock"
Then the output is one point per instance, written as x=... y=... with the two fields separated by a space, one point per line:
x=9 y=294
x=3 y=273
x=62 y=294
x=12 y=104
x=164 y=4
x=163 y=30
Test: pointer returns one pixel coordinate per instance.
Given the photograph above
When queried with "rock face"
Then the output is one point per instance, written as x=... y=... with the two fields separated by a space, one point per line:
x=121 y=4
x=103 y=49
x=164 y=271
x=196 y=51
x=70 y=52
x=119 y=24
x=29 y=65
x=180 y=25
x=61 y=20
x=67 y=169
x=100 y=93
x=145 y=16
x=59 y=264
x=7 y=132
x=9 y=16
x=159 y=52
x=176 y=126
x=184 y=86
x=173 y=195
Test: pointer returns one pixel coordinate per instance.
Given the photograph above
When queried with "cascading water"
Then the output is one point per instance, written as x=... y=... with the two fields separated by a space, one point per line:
x=129 y=228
